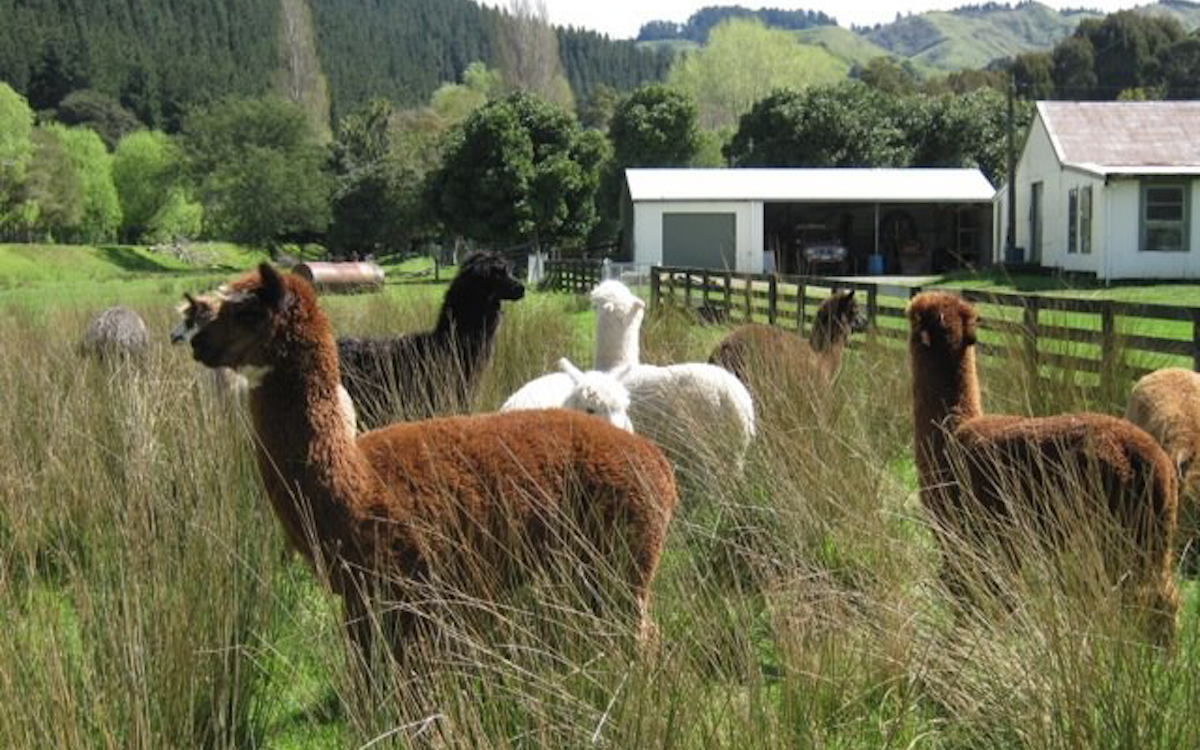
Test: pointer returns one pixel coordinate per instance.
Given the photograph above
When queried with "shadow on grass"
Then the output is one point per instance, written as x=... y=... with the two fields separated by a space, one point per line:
x=129 y=259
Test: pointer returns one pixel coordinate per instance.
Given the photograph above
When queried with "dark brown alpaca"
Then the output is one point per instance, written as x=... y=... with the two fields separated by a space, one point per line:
x=470 y=501
x=773 y=349
x=1033 y=467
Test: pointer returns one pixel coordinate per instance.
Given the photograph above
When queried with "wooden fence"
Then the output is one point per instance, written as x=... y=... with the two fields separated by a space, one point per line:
x=1105 y=338
x=575 y=276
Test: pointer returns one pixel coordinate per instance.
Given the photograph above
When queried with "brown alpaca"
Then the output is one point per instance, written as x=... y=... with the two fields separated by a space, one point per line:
x=1017 y=464
x=777 y=350
x=471 y=501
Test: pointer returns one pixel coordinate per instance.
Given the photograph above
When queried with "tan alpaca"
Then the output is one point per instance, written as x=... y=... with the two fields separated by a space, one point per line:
x=776 y=350
x=474 y=501
x=1014 y=464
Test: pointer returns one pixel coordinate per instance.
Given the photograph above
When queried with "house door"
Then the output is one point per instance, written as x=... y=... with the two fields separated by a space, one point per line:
x=1035 y=223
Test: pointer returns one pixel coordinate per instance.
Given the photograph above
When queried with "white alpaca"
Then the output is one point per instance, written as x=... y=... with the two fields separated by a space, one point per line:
x=598 y=393
x=670 y=404
x=618 y=324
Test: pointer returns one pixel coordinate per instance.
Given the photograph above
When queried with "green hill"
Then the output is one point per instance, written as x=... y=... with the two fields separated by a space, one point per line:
x=972 y=37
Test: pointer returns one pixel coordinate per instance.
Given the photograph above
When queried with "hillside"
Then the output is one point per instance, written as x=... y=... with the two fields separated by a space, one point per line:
x=962 y=39
x=849 y=47
x=158 y=58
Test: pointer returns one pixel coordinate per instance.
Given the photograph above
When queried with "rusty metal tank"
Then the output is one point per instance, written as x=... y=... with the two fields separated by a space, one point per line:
x=342 y=277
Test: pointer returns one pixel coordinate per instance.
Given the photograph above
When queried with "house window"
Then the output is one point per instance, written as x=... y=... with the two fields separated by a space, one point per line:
x=1085 y=220
x=1164 y=217
x=1073 y=220
x=1079 y=220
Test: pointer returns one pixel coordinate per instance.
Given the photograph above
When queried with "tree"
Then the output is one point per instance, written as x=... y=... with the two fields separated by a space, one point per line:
x=742 y=63
x=455 y=101
x=655 y=126
x=259 y=171
x=529 y=56
x=98 y=111
x=888 y=76
x=597 y=112
x=73 y=186
x=148 y=174
x=1127 y=49
x=1075 y=68
x=16 y=151
x=519 y=169
x=1180 y=65
x=1033 y=73
x=848 y=125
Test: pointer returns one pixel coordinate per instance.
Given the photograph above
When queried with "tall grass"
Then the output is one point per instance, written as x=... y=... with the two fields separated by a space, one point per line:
x=149 y=602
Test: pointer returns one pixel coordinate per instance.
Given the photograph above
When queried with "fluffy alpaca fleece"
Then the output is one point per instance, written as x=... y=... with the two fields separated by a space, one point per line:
x=599 y=394
x=114 y=334
x=1013 y=464
x=618 y=314
x=475 y=501
x=671 y=404
x=774 y=350
x=227 y=382
x=1166 y=404
x=432 y=372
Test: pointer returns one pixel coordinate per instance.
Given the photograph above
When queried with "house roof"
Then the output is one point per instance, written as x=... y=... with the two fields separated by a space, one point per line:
x=804 y=185
x=1125 y=137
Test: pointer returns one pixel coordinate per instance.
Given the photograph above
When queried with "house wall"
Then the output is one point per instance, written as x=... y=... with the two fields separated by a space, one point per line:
x=1116 y=225
x=1123 y=229
x=648 y=227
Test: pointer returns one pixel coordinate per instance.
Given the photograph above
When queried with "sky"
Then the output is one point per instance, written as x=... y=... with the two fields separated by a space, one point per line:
x=621 y=19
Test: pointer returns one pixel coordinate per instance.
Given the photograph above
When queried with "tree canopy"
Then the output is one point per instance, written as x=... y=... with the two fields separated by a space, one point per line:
x=742 y=63
x=519 y=169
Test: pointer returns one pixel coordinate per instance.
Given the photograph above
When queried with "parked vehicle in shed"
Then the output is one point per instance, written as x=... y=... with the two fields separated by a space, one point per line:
x=821 y=250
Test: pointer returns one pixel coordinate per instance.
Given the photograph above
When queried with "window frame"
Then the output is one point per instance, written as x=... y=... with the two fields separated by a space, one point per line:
x=1146 y=225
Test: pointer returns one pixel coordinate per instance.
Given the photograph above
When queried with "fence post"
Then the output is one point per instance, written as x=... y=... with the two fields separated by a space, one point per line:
x=704 y=290
x=749 y=291
x=801 y=291
x=728 y=295
x=687 y=291
x=1196 y=339
x=872 y=309
x=654 y=291
x=1030 y=323
x=772 y=298
x=1108 y=347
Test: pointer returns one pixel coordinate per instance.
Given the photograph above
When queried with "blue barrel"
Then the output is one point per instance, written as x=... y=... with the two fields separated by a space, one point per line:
x=875 y=265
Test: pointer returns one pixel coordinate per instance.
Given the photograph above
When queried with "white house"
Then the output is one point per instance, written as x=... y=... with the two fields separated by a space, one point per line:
x=751 y=220
x=1109 y=188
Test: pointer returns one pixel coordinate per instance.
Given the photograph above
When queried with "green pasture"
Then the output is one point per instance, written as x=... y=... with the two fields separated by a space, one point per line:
x=150 y=602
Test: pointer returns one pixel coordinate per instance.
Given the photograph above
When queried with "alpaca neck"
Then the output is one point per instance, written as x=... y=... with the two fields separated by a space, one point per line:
x=468 y=331
x=945 y=394
x=616 y=344
x=828 y=338
x=311 y=464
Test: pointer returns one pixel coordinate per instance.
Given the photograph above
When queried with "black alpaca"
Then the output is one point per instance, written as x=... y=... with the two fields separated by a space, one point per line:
x=430 y=373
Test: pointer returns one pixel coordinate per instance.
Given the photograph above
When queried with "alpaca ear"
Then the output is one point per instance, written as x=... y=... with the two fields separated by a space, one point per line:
x=272 y=291
x=566 y=366
x=638 y=304
x=190 y=299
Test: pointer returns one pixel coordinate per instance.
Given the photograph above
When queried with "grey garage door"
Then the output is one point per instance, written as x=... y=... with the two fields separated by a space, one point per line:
x=700 y=240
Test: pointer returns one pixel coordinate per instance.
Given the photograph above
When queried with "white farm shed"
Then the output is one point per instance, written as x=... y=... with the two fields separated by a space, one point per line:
x=1110 y=188
x=752 y=220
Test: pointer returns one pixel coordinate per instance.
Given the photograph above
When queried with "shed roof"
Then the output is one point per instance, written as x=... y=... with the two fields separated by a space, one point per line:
x=1125 y=137
x=815 y=185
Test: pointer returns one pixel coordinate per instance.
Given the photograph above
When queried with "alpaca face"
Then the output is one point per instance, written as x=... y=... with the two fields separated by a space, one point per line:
x=196 y=312
x=489 y=276
x=942 y=322
x=613 y=299
x=842 y=310
x=240 y=321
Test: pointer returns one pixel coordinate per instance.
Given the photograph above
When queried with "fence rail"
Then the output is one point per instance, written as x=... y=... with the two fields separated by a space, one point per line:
x=577 y=276
x=1055 y=333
